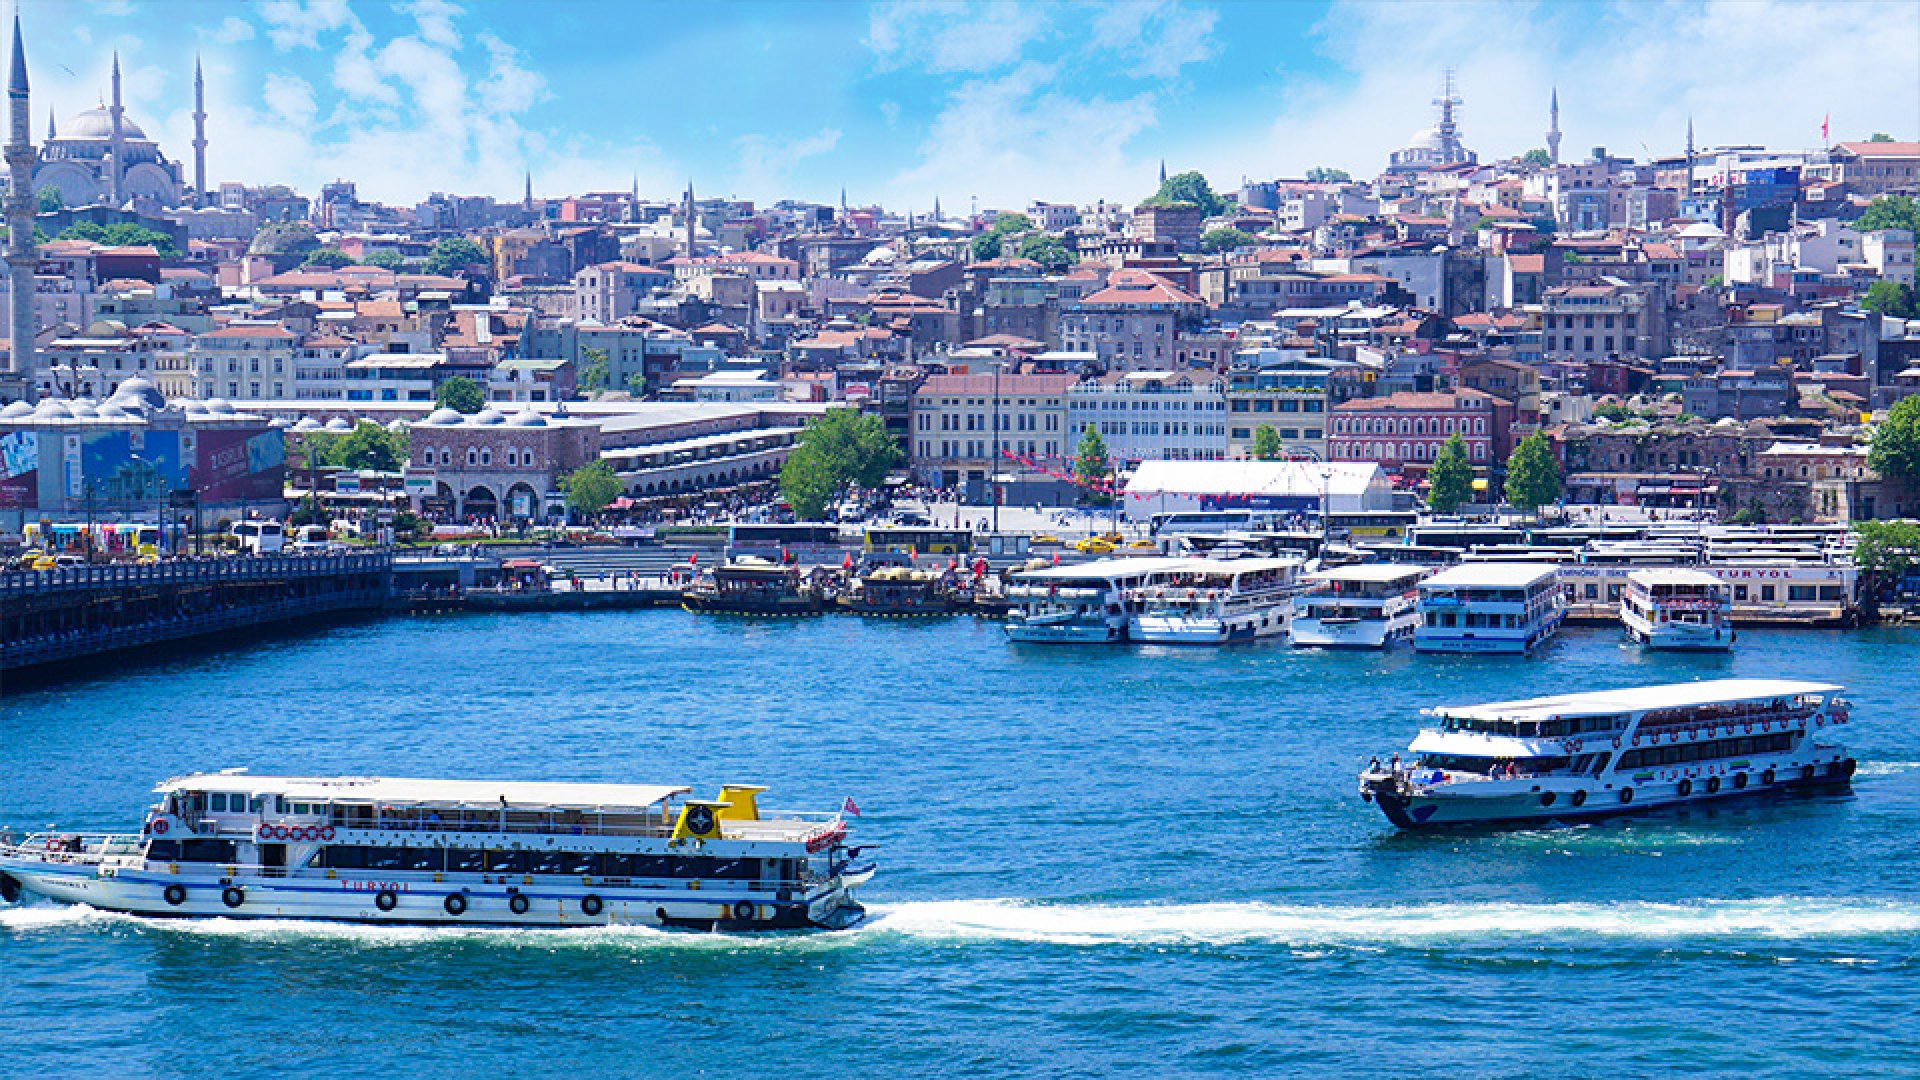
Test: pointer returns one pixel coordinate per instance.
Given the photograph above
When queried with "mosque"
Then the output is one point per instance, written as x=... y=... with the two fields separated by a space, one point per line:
x=1438 y=145
x=102 y=157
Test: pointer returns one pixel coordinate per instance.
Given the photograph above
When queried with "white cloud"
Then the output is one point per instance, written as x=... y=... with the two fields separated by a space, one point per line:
x=290 y=98
x=232 y=30
x=1155 y=38
x=435 y=19
x=767 y=162
x=299 y=23
x=952 y=35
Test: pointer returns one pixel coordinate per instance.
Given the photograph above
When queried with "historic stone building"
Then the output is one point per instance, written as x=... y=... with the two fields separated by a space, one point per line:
x=102 y=156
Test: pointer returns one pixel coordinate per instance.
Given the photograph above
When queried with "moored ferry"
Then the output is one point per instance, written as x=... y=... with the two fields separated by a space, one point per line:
x=1215 y=602
x=1678 y=609
x=1613 y=751
x=1489 y=607
x=1366 y=606
x=1087 y=604
x=456 y=852
x=750 y=585
x=898 y=590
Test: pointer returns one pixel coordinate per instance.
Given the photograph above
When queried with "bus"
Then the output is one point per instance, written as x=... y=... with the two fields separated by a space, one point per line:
x=802 y=542
x=260 y=537
x=1215 y=521
x=919 y=540
x=108 y=538
x=1387 y=524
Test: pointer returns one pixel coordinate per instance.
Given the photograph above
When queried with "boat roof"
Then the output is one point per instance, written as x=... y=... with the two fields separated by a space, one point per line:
x=391 y=790
x=1639 y=698
x=1109 y=569
x=1496 y=574
x=1674 y=576
x=1369 y=572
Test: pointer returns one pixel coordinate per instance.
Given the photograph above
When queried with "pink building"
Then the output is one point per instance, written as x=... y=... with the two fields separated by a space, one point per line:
x=1404 y=431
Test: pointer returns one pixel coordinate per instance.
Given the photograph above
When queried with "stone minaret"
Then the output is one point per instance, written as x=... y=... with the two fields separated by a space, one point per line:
x=1553 y=128
x=119 y=138
x=690 y=217
x=1689 y=188
x=199 y=136
x=21 y=255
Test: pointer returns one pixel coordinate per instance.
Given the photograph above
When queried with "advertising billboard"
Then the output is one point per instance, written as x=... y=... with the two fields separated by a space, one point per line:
x=239 y=464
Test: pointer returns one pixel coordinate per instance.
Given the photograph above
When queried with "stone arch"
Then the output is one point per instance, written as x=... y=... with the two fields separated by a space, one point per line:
x=522 y=489
x=480 y=501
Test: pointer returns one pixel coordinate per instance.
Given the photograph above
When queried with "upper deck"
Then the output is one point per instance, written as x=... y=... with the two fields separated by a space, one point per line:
x=1642 y=699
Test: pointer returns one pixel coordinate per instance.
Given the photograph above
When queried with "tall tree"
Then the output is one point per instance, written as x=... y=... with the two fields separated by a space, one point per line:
x=49 y=201
x=453 y=254
x=123 y=234
x=1215 y=241
x=329 y=257
x=386 y=258
x=1890 y=212
x=1450 y=477
x=1047 y=250
x=1533 y=477
x=992 y=243
x=1090 y=464
x=838 y=448
x=460 y=394
x=1895 y=451
x=1894 y=298
x=1191 y=188
x=1266 y=444
x=595 y=375
x=1321 y=174
x=367 y=446
x=591 y=488
x=1537 y=156
x=1884 y=551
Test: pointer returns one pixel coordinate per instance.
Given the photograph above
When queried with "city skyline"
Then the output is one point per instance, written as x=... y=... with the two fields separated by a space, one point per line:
x=900 y=103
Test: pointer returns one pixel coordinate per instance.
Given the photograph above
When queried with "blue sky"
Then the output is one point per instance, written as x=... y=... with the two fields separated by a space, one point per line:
x=1003 y=100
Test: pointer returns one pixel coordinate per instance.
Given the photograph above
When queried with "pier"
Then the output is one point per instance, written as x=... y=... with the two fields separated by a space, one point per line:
x=51 y=616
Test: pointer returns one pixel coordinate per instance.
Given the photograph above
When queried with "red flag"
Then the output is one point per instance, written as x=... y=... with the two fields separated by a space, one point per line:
x=1824 y=121
x=848 y=807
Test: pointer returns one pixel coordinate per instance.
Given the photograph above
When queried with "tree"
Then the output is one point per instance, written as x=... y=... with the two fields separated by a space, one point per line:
x=122 y=234
x=838 y=448
x=591 y=488
x=386 y=258
x=992 y=243
x=1450 y=477
x=1192 y=189
x=1893 y=298
x=1881 y=136
x=595 y=375
x=1266 y=444
x=1895 y=452
x=1090 y=465
x=1215 y=241
x=1884 y=551
x=328 y=257
x=1533 y=477
x=1321 y=174
x=1890 y=212
x=1537 y=156
x=452 y=254
x=50 y=201
x=460 y=394
x=369 y=446
x=1047 y=250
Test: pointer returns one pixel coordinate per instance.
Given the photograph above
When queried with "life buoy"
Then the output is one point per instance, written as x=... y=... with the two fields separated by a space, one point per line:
x=175 y=894
x=1580 y=798
x=1748 y=729
x=326 y=832
x=1636 y=740
x=591 y=905
x=1686 y=788
x=1547 y=798
x=518 y=903
x=270 y=832
x=743 y=912
x=233 y=896
x=1739 y=781
x=455 y=904
x=1766 y=778
x=54 y=843
x=1576 y=746
x=1626 y=795
x=1616 y=742
x=160 y=827
x=386 y=900
x=1713 y=785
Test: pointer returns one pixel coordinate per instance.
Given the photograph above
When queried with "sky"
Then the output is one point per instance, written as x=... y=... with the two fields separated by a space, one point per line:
x=994 y=102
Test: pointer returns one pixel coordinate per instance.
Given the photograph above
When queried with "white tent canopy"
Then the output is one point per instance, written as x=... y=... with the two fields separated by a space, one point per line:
x=1172 y=486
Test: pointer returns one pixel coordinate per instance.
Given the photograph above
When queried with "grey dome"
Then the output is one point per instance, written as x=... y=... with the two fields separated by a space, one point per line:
x=339 y=423
x=15 y=409
x=307 y=423
x=97 y=123
x=527 y=418
x=443 y=417
x=489 y=417
x=219 y=405
x=54 y=409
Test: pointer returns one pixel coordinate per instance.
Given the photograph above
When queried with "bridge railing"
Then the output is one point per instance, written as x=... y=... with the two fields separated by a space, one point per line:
x=195 y=572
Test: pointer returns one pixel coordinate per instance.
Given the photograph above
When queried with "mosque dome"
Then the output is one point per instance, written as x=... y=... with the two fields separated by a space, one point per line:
x=97 y=123
x=15 y=409
x=527 y=418
x=443 y=417
x=339 y=423
x=307 y=423
x=489 y=416
x=1428 y=139
x=284 y=238
x=138 y=392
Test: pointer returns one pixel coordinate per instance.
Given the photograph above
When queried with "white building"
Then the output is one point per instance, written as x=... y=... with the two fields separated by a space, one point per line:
x=1351 y=487
x=1154 y=415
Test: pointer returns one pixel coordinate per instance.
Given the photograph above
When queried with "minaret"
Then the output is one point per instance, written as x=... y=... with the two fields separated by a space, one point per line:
x=118 y=112
x=199 y=136
x=936 y=209
x=690 y=216
x=21 y=255
x=526 y=201
x=1689 y=188
x=1163 y=172
x=50 y=130
x=1553 y=128
x=633 y=202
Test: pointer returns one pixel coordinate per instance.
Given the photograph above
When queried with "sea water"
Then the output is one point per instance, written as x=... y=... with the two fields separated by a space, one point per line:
x=1095 y=861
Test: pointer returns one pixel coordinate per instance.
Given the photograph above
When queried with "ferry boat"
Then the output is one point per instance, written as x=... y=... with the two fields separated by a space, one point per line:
x=1588 y=754
x=1367 y=606
x=753 y=586
x=1678 y=609
x=455 y=852
x=1215 y=602
x=1080 y=605
x=897 y=590
x=1489 y=607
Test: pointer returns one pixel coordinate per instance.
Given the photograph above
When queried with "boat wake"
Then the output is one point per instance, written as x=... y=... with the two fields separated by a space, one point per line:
x=1809 y=920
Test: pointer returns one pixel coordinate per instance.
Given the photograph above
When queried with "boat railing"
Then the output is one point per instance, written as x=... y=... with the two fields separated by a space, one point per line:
x=1744 y=723
x=72 y=846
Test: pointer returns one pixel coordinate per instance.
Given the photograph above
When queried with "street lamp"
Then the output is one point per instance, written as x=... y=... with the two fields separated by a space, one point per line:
x=152 y=476
x=993 y=466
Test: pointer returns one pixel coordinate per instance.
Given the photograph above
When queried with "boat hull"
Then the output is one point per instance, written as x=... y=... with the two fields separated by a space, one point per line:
x=1161 y=630
x=1487 y=641
x=1681 y=637
x=1065 y=633
x=1358 y=634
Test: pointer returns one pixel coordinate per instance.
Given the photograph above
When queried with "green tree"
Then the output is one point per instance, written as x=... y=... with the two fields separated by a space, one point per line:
x=1891 y=298
x=460 y=394
x=1450 y=477
x=367 y=446
x=1881 y=136
x=453 y=254
x=992 y=243
x=1190 y=188
x=1215 y=241
x=838 y=448
x=595 y=374
x=49 y=200
x=1321 y=174
x=332 y=257
x=591 y=488
x=386 y=258
x=122 y=234
x=1884 y=551
x=1895 y=451
x=1533 y=477
x=1047 y=250
x=1537 y=156
x=1266 y=444
x=1890 y=212
x=1090 y=464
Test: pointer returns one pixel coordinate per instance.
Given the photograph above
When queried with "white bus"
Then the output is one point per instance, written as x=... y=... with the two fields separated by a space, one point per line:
x=260 y=537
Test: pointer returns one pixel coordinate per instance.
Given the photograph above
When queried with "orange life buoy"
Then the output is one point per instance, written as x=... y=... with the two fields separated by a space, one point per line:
x=326 y=832
x=160 y=826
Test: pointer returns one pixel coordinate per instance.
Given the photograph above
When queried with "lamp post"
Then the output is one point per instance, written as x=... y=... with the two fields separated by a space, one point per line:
x=151 y=476
x=993 y=466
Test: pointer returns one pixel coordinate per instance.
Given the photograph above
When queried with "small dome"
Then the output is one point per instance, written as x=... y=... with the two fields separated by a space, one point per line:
x=277 y=422
x=15 y=409
x=84 y=408
x=112 y=410
x=443 y=417
x=139 y=392
x=527 y=418
x=489 y=417
x=307 y=423
x=97 y=123
x=1428 y=139
x=219 y=405
x=54 y=409
x=339 y=423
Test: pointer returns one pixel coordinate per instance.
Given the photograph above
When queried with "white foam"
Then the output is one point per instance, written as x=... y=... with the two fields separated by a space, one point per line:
x=1886 y=768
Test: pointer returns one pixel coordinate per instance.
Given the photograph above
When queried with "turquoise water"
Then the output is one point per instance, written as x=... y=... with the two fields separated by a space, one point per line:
x=1096 y=862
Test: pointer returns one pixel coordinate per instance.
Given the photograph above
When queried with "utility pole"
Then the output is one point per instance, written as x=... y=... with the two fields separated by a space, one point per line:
x=993 y=468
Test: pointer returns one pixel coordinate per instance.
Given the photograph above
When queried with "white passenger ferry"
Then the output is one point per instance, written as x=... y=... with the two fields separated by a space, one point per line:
x=1588 y=754
x=1215 y=602
x=1489 y=607
x=370 y=849
x=1080 y=605
x=1368 y=606
x=1678 y=609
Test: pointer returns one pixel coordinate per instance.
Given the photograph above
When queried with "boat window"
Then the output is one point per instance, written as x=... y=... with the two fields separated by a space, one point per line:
x=200 y=850
x=384 y=858
x=217 y=802
x=547 y=862
x=423 y=859
x=165 y=850
x=584 y=863
x=466 y=860
x=345 y=857
x=507 y=862
x=279 y=804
